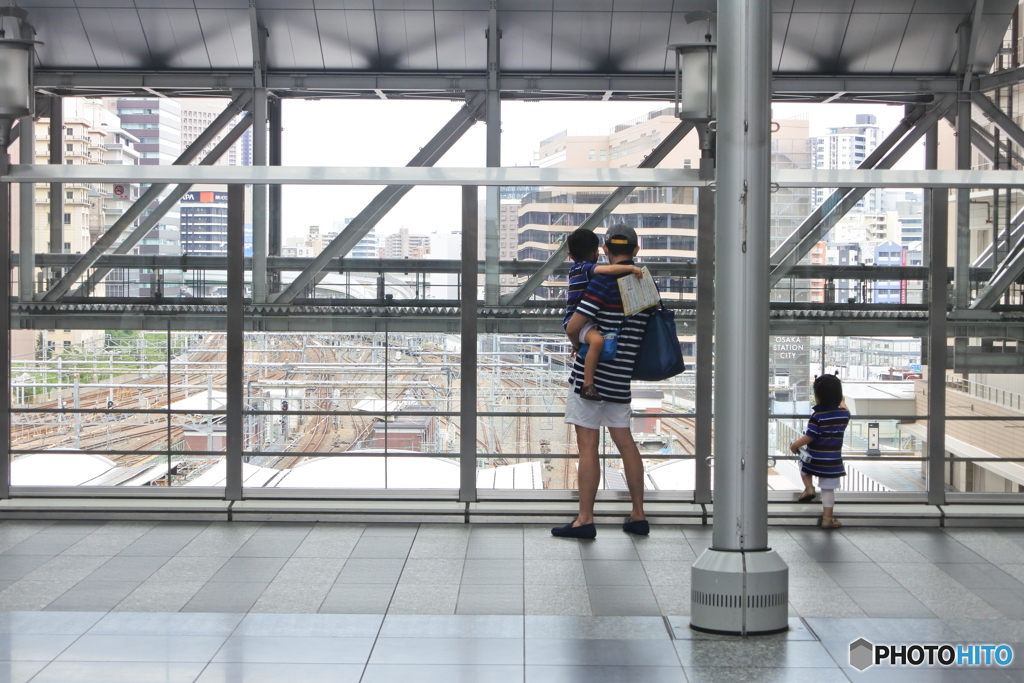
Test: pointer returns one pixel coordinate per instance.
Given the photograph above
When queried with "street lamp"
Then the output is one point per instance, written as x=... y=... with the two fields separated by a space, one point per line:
x=17 y=94
x=696 y=95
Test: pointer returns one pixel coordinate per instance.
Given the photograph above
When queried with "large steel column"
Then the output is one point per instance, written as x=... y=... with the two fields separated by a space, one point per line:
x=259 y=197
x=274 y=191
x=56 y=189
x=936 y=226
x=705 y=318
x=739 y=585
x=492 y=195
x=963 y=204
x=235 y=357
x=467 y=393
x=27 y=214
x=5 y=338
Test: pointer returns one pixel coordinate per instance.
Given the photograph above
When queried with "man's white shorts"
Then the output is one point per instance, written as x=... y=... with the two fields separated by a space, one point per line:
x=594 y=414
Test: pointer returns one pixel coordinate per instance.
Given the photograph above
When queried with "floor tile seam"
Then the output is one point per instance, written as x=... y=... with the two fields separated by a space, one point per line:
x=863 y=609
x=643 y=566
x=56 y=656
x=523 y=621
x=387 y=609
x=964 y=587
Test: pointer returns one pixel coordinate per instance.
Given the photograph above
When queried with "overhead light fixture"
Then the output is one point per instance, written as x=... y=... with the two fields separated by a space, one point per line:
x=17 y=59
x=696 y=94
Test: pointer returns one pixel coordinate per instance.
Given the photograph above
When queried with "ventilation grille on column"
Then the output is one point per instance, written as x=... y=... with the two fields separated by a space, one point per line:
x=716 y=599
x=734 y=601
x=765 y=601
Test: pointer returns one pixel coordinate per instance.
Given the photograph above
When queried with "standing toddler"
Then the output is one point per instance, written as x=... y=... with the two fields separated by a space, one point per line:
x=824 y=442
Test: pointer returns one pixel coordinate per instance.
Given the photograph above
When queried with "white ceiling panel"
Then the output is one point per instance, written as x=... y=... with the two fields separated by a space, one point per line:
x=294 y=39
x=813 y=41
x=526 y=40
x=407 y=41
x=540 y=36
x=461 y=40
x=65 y=43
x=780 y=29
x=872 y=42
x=348 y=39
x=228 y=38
x=116 y=37
x=581 y=41
x=638 y=41
x=175 y=38
x=931 y=46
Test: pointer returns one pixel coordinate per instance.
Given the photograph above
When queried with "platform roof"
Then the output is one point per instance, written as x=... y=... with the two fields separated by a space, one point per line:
x=447 y=37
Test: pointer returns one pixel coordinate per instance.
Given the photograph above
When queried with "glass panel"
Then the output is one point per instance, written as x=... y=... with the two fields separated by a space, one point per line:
x=104 y=411
x=352 y=411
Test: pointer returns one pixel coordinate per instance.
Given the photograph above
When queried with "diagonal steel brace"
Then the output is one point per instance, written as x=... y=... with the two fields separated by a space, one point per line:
x=1005 y=275
x=152 y=194
x=594 y=220
x=386 y=198
x=999 y=117
x=813 y=233
x=168 y=202
x=983 y=141
x=833 y=200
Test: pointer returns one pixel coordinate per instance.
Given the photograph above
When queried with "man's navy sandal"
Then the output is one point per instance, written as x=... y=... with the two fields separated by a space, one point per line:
x=639 y=527
x=570 y=531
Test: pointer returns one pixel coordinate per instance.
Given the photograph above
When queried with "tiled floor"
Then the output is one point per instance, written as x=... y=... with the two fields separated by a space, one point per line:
x=171 y=647
x=301 y=602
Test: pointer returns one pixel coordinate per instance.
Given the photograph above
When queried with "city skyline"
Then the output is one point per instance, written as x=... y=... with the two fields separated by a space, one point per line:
x=524 y=126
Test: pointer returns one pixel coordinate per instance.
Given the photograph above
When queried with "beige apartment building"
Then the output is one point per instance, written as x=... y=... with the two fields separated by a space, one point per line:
x=665 y=218
x=403 y=244
x=91 y=135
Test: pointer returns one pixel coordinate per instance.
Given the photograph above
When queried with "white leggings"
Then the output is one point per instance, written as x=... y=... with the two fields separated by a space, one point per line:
x=828 y=498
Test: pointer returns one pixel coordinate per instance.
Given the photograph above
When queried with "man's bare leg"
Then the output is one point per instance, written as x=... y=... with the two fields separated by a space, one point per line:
x=589 y=473
x=633 y=466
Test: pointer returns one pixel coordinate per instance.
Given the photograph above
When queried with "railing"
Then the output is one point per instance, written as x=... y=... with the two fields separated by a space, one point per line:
x=1002 y=397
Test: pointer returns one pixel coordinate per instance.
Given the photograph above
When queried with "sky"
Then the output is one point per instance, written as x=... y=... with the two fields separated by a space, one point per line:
x=389 y=133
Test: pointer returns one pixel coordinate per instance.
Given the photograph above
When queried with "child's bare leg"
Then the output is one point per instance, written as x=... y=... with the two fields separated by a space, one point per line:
x=808 y=482
x=828 y=503
x=596 y=342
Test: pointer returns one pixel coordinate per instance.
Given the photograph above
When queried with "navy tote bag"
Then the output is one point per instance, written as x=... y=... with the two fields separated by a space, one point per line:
x=660 y=355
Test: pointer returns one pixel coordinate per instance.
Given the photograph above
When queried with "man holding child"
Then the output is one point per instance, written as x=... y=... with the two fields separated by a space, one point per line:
x=601 y=305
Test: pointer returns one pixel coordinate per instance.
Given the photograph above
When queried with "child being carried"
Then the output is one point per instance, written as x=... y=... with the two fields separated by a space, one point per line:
x=583 y=247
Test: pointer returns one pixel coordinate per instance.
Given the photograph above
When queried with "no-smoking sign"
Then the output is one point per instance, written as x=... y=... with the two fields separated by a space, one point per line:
x=119 y=190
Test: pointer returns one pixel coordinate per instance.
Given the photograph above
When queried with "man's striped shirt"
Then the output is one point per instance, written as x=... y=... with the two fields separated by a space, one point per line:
x=826 y=427
x=580 y=275
x=602 y=303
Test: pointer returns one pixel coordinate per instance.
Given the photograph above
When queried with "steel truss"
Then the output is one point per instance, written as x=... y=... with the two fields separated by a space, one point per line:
x=278 y=307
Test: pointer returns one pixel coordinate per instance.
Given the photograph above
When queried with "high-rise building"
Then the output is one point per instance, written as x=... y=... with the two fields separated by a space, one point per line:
x=889 y=253
x=204 y=221
x=402 y=244
x=508 y=228
x=197 y=113
x=245 y=149
x=665 y=218
x=368 y=247
x=156 y=122
x=909 y=208
x=847 y=147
